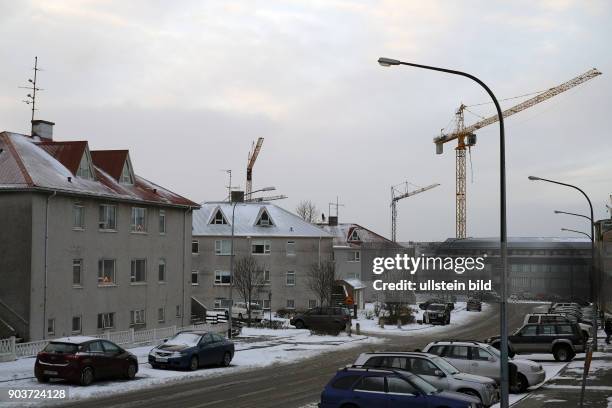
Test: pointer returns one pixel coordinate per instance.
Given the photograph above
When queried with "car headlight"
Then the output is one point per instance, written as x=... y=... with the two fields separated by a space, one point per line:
x=537 y=368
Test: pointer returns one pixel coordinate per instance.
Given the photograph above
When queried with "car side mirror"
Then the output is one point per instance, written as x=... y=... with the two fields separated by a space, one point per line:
x=439 y=373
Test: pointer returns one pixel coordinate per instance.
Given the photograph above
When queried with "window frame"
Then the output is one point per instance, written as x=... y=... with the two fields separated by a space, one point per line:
x=135 y=227
x=267 y=277
x=287 y=304
x=134 y=273
x=103 y=219
x=265 y=243
x=290 y=274
x=161 y=317
x=219 y=247
x=138 y=317
x=354 y=256
x=195 y=272
x=219 y=275
x=290 y=245
x=51 y=326
x=161 y=225
x=102 y=271
x=106 y=317
x=78 y=284
x=81 y=211
x=161 y=273
x=195 y=242
x=80 y=320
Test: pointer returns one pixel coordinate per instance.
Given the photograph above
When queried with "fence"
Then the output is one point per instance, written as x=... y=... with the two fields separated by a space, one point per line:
x=123 y=338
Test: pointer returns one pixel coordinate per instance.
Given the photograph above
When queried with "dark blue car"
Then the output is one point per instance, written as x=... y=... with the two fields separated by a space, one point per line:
x=378 y=388
x=191 y=350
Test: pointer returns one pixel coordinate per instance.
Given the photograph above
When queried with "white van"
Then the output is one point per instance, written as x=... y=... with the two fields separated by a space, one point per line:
x=240 y=311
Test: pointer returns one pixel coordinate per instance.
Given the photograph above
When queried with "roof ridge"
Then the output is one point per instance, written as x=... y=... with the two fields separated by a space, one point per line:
x=17 y=157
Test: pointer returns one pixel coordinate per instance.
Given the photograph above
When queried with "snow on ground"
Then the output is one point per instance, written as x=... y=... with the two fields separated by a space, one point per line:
x=459 y=317
x=258 y=348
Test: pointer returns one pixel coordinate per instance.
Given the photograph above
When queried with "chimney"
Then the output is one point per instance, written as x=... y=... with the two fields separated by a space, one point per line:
x=332 y=220
x=43 y=129
x=237 y=197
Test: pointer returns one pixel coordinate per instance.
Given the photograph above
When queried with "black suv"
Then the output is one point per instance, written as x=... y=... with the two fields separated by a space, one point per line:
x=473 y=304
x=562 y=340
x=331 y=319
x=437 y=313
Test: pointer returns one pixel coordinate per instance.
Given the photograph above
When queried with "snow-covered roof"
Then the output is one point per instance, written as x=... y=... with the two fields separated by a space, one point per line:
x=284 y=223
x=26 y=163
x=354 y=283
x=75 y=339
x=345 y=232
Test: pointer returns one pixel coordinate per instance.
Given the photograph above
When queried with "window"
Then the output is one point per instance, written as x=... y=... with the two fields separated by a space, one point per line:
x=221 y=303
x=161 y=270
x=290 y=304
x=529 y=330
x=290 y=248
x=50 y=327
x=126 y=174
x=266 y=304
x=266 y=277
x=95 y=347
x=264 y=219
x=137 y=317
x=222 y=278
x=479 y=354
x=372 y=384
x=110 y=347
x=106 y=272
x=138 y=273
x=107 y=219
x=437 y=350
x=564 y=329
x=312 y=303
x=76 y=324
x=161 y=315
x=259 y=247
x=218 y=218
x=354 y=235
x=398 y=385
x=162 y=221
x=195 y=246
x=194 y=278
x=78 y=217
x=345 y=383
x=223 y=247
x=459 y=352
x=139 y=219
x=178 y=310
x=290 y=278
x=547 y=330
x=84 y=169
x=354 y=256
x=106 y=320
x=77 y=271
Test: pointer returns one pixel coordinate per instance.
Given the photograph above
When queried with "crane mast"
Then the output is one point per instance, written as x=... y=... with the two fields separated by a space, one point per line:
x=250 y=163
x=466 y=139
x=398 y=194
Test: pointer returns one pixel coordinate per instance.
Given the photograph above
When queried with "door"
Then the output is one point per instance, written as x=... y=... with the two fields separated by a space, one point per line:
x=400 y=393
x=428 y=371
x=546 y=334
x=484 y=363
x=459 y=357
x=523 y=341
x=117 y=365
x=370 y=392
x=206 y=350
x=101 y=363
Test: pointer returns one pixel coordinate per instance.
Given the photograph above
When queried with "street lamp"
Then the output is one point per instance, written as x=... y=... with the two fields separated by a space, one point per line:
x=504 y=403
x=576 y=231
x=574 y=214
x=594 y=290
x=229 y=319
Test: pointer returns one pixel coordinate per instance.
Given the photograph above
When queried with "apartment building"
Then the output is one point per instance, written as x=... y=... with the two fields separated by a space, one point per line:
x=284 y=246
x=86 y=244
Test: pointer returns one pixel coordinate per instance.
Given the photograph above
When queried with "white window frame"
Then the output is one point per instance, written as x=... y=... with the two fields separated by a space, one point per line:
x=223 y=247
x=84 y=170
x=107 y=320
x=264 y=223
x=77 y=263
x=292 y=304
x=266 y=277
x=218 y=221
x=138 y=317
x=162 y=222
x=266 y=304
x=102 y=269
x=78 y=208
x=51 y=327
x=290 y=248
x=292 y=275
x=161 y=315
x=312 y=303
x=354 y=256
x=161 y=270
x=197 y=243
x=219 y=274
x=103 y=217
x=136 y=227
x=267 y=246
x=354 y=235
x=134 y=273
x=195 y=273
x=80 y=329
x=126 y=171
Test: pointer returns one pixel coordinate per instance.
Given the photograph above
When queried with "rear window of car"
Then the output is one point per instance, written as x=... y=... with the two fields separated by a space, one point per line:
x=371 y=384
x=436 y=307
x=460 y=352
x=345 y=383
x=437 y=350
x=564 y=329
x=532 y=319
x=61 y=348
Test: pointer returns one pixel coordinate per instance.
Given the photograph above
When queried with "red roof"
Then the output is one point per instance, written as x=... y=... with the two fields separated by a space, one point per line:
x=29 y=164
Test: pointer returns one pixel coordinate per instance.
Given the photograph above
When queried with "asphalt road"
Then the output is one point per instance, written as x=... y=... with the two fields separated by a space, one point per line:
x=290 y=385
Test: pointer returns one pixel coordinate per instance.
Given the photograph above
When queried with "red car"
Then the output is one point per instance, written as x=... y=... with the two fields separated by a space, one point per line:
x=84 y=359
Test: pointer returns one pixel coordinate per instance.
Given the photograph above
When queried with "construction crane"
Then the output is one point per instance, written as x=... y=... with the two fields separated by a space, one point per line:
x=466 y=139
x=398 y=194
x=250 y=163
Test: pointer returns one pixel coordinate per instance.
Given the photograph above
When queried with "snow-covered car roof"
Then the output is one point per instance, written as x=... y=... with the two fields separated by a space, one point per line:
x=74 y=339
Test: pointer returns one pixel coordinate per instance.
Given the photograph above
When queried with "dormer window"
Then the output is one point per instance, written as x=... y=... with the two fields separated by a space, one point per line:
x=354 y=236
x=126 y=174
x=264 y=219
x=84 y=170
x=218 y=218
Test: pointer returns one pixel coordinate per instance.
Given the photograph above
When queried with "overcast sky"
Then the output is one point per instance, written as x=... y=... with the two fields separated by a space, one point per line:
x=188 y=86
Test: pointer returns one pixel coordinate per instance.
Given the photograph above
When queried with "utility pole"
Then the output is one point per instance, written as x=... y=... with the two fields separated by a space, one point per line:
x=31 y=97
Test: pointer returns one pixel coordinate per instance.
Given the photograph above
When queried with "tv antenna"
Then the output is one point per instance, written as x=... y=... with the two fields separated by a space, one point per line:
x=31 y=97
x=337 y=205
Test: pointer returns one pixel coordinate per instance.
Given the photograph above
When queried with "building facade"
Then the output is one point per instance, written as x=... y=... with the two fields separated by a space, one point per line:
x=284 y=246
x=603 y=234
x=87 y=245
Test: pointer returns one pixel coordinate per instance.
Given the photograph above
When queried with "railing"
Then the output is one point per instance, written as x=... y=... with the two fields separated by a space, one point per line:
x=124 y=338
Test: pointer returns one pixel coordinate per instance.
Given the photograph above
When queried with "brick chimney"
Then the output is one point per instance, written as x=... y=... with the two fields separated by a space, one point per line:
x=43 y=129
x=332 y=220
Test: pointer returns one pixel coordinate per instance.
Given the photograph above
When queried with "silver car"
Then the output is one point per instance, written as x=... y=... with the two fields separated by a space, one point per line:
x=483 y=359
x=436 y=371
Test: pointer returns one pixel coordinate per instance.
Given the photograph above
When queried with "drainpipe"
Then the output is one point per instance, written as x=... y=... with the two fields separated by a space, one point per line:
x=44 y=333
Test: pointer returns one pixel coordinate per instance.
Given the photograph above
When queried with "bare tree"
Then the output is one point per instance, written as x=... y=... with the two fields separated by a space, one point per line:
x=248 y=279
x=321 y=281
x=307 y=210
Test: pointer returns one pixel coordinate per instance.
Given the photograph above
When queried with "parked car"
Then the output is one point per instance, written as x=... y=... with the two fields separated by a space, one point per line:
x=374 y=388
x=83 y=360
x=241 y=311
x=425 y=305
x=436 y=371
x=191 y=350
x=541 y=318
x=473 y=304
x=483 y=359
x=323 y=318
x=437 y=313
x=562 y=340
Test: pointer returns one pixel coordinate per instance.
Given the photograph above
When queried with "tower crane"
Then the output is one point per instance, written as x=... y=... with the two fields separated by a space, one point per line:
x=250 y=163
x=466 y=139
x=397 y=194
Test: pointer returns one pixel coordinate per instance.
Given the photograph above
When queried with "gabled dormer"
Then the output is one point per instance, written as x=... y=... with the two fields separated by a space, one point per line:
x=217 y=217
x=115 y=163
x=86 y=169
x=263 y=218
x=127 y=173
x=354 y=235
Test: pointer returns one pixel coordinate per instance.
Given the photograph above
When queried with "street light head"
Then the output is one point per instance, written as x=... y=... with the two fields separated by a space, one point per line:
x=557 y=212
x=270 y=188
x=387 y=62
x=534 y=178
x=564 y=229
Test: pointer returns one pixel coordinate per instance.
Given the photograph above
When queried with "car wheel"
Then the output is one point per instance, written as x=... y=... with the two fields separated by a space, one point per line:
x=42 y=379
x=87 y=376
x=227 y=359
x=194 y=364
x=472 y=393
x=562 y=353
x=130 y=373
x=521 y=383
x=299 y=324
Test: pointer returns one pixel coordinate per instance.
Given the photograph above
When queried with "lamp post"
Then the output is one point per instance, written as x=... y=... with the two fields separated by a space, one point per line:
x=504 y=403
x=577 y=232
x=574 y=214
x=593 y=275
x=231 y=295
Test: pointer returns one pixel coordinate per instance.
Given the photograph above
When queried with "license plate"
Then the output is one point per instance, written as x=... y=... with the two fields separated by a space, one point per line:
x=161 y=359
x=50 y=372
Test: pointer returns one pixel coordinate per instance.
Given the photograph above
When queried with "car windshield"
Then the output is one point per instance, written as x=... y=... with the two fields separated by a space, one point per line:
x=436 y=307
x=421 y=384
x=184 y=339
x=445 y=365
x=61 y=348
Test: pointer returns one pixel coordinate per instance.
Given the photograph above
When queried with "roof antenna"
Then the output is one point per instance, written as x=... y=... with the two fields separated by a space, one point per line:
x=31 y=97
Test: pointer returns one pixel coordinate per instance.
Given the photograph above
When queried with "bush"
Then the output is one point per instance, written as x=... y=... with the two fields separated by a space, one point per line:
x=283 y=313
